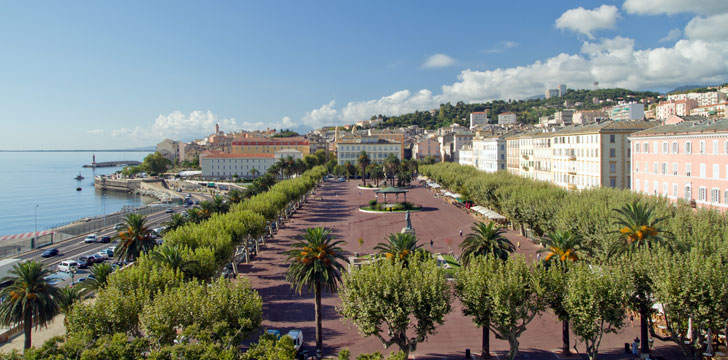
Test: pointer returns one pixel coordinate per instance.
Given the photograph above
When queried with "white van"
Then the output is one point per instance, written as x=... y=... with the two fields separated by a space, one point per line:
x=67 y=266
x=90 y=239
x=297 y=336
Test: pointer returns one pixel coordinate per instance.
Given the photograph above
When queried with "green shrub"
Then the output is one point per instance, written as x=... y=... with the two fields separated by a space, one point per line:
x=344 y=354
x=372 y=202
x=373 y=356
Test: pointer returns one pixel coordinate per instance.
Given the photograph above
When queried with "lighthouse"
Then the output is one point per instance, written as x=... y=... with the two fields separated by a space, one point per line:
x=93 y=161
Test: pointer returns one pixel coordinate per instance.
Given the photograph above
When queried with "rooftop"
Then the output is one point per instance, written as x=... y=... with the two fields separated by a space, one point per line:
x=689 y=126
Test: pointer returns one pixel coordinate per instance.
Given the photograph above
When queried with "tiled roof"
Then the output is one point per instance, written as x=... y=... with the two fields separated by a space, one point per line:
x=218 y=155
x=688 y=127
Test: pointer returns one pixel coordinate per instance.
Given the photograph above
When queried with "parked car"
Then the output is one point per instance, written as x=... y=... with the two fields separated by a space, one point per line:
x=67 y=266
x=105 y=239
x=103 y=254
x=49 y=253
x=169 y=211
x=84 y=262
x=91 y=238
x=98 y=257
x=119 y=226
x=341 y=179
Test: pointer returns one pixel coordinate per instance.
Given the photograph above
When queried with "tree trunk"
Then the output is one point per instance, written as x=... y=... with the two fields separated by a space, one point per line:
x=513 y=343
x=317 y=294
x=486 y=343
x=27 y=327
x=644 y=346
x=565 y=337
x=364 y=177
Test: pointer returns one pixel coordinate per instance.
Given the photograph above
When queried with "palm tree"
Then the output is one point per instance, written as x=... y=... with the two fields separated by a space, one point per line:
x=194 y=215
x=254 y=172
x=135 y=239
x=639 y=227
x=175 y=221
x=564 y=247
x=219 y=205
x=391 y=167
x=399 y=246
x=376 y=172
x=29 y=298
x=316 y=261
x=363 y=162
x=98 y=277
x=171 y=257
x=67 y=296
x=484 y=240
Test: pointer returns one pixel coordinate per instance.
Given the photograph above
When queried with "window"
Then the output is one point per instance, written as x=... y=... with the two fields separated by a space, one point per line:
x=612 y=139
x=674 y=190
x=715 y=147
x=647 y=187
x=702 y=193
x=612 y=167
x=715 y=195
x=647 y=148
x=674 y=168
x=637 y=184
x=664 y=168
x=613 y=182
x=688 y=192
x=637 y=147
x=637 y=167
x=688 y=169
x=612 y=153
x=655 y=187
x=664 y=189
x=688 y=147
x=702 y=147
x=654 y=167
x=664 y=147
x=702 y=171
x=725 y=197
x=675 y=147
x=716 y=171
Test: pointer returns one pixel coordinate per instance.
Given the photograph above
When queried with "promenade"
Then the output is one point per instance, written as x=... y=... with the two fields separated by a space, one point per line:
x=440 y=222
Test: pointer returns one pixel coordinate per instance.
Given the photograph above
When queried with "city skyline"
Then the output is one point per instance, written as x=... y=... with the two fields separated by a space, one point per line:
x=128 y=75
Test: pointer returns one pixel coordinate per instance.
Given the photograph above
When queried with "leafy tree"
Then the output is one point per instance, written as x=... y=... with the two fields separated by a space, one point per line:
x=349 y=169
x=175 y=221
x=235 y=196
x=285 y=133
x=98 y=277
x=194 y=215
x=595 y=298
x=269 y=347
x=28 y=299
x=501 y=295
x=316 y=261
x=376 y=173
x=155 y=163
x=385 y=298
x=391 y=167
x=363 y=163
x=171 y=257
x=562 y=246
x=485 y=240
x=135 y=238
x=399 y=246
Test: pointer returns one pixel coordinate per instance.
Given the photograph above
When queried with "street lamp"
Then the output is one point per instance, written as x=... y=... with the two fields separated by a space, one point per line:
x=35 y=232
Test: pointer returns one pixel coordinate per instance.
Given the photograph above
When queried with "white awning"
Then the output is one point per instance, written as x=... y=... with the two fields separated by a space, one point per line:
x=490 y=214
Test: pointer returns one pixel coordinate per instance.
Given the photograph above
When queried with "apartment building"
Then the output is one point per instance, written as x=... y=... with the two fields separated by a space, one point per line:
x=627 y=112
x=665 y=109
x=507 y=118
x=702 y=98
x=478 y=118
x=389 y=135
x=713 y=111
x=221 y=165
x=426 y=147
x=348 y=149
x=489 y=154
x=172 y=150
x=588 y=117
x=513 y=154
x=260 y=145
x=465 y=156
x=686 y=160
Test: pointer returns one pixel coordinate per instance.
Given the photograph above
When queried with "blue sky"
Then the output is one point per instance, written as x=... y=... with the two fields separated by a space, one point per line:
x=126 y=74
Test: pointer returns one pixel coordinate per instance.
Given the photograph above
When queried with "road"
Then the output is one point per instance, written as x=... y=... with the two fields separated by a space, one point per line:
x=75 y=247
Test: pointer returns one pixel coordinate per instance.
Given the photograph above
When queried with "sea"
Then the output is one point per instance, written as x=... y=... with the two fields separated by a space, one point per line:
x=39 y=189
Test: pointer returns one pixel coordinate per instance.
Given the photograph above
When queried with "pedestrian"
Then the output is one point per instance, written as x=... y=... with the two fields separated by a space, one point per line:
x=432 y=243
x=635 y=347
x=461 y=232
x=518 y=245
x=538 y=257
x=359 y=193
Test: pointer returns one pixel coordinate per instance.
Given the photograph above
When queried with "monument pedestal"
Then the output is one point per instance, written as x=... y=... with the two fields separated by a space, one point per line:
x=408 y=231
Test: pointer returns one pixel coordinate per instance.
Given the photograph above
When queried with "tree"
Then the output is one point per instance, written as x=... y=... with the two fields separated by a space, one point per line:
x=376 y=173
x=269 y=347
x=595 y=298
x=391 y=167
x=135 y=238
x=219 y=205
x=194 y=215
x=235 y=196
x=316 y=261
x=171 y=257
x=399 y=246
x=67 y=296
x=502 y=295
x=254 y=172
x=363 y=162
x=385 y=298
x=639 y=227
x=484 y=240
x=175 y=221
x=563 y=248
x=155 y=163
x=349 y=169
x=98 y=277
x=29 y=299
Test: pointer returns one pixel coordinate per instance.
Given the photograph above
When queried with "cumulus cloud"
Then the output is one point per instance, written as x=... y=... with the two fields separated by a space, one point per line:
x=712 y=28
x=672 y=35
x=501 y=47
x=438 y=61
x=95 y=131
x=670 y=7
x=586 y=21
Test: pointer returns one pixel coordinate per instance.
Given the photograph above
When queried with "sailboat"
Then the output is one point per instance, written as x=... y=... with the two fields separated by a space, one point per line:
x=79 y=177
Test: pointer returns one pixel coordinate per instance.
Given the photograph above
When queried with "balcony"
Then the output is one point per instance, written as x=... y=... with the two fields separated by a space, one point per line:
x=572 y=172
x=572 y=157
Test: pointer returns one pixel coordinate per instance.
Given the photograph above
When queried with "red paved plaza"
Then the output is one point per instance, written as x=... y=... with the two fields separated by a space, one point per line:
x=440 y=222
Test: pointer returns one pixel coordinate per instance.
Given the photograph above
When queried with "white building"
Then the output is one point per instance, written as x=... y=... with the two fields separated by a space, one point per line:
x=465 y=156
x=489 y=154
x=478 y=118
x=551 y=93
x=378 y=149
x=628 y=112
x=703 y=98
x=665 y=109
x=562 y=89
x=507 y=118
x=218 y=165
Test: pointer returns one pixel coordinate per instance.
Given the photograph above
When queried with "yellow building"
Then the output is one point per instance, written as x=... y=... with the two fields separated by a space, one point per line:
x=269 y=145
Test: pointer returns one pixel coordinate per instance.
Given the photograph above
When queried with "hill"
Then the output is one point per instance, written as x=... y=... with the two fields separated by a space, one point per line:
x=528 y=111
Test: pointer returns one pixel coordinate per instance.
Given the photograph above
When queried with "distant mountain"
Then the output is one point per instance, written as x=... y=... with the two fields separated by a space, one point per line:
x=687 y=87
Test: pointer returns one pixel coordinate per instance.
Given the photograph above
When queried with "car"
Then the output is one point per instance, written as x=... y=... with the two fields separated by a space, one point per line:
x=90 y=238
x=169 y=211
x=67 y=266
x=84 y=262
x=119 y=226
x=109 y=252
x=274 y=332
x=103 y=253
x=105 y=239
x=49 y=253
x=98 y=258
x=341 y=179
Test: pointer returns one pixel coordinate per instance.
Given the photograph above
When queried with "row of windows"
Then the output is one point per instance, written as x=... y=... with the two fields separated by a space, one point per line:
x=662 y=169
x=373 y=155
x=675 y=147
x=713 y=197
x=368 y=148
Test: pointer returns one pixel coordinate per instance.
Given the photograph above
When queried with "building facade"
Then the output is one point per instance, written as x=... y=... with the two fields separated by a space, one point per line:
x=588 y=117
x=627 y=112
x=426 y=147
x=377 y=149
x=507 y=118
x=478 y=118
x=489 y=154
x=665 y=109
x=687 y=160
x=258 y=145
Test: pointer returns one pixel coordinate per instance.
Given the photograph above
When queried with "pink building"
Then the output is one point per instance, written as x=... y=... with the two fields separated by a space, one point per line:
x=666 y=109
x=687 y=160
x=426 y=147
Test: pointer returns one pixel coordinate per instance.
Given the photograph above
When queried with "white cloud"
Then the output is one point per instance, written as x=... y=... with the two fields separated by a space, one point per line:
x=712 y=28
x=287 y=123
x=438 y=61
x=672 y=35
x=95 y=131
x=671 y=7
x=614 y=62
x=501 y=47
x=587 y=21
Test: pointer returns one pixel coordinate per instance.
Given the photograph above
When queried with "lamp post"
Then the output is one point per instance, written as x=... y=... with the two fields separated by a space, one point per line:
x=35 y=228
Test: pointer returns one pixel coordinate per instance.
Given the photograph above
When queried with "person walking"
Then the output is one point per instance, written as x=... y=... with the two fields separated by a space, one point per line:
x=432 y=243
x=518 y=245
x=635 y=347
x=461 y=232
x=538 y=257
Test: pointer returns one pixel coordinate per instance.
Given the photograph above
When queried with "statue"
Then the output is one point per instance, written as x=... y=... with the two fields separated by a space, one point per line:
x=408 y=224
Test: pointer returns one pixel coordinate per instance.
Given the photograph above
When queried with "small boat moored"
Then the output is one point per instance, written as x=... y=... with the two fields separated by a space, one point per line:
x=79 y=177
x=78 y=189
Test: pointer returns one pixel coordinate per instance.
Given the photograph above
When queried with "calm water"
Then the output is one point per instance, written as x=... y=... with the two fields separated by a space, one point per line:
x=47 y=179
